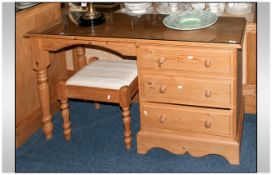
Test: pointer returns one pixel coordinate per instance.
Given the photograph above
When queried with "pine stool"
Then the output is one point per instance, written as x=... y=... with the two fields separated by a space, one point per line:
x=101 y=81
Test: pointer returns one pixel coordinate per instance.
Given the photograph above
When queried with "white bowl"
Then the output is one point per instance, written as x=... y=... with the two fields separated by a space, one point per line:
x=239 y=8
x=198 y=6
x=137 y=6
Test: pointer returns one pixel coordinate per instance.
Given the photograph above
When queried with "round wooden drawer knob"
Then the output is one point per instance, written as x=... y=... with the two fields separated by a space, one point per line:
x=161 y=61
x=162 y=89
x=208 y=93
x=162 y=119
x=208 y=124
x=208 y=63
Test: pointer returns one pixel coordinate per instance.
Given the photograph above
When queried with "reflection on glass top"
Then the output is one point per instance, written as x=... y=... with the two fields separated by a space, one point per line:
x=150 y=27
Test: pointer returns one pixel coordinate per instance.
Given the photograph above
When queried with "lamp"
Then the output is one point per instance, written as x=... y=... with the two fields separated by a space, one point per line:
x=91 y=17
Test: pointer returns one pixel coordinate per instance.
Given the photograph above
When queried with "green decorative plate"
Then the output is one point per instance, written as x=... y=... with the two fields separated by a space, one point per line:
x=190 y=20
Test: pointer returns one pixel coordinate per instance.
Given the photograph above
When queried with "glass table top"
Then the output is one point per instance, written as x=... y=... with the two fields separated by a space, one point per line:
x=228 y=30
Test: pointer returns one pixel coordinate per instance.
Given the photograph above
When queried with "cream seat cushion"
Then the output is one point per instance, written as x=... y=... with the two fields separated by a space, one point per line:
x=105 y=74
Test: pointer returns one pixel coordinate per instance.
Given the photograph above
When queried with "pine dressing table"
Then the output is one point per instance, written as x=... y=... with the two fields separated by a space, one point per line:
x=190 y=87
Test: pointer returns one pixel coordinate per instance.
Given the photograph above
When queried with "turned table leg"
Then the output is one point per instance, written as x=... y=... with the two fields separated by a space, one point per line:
x=82 y=61
x=81 y=58
x=43 y=88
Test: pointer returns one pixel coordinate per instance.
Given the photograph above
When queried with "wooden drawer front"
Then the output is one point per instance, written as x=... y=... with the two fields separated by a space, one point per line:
x=186 y=59
x=192 y=91
x=183 y=118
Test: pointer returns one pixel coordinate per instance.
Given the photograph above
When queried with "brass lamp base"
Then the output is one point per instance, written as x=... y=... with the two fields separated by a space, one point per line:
x=87 y=21
x=91 y=18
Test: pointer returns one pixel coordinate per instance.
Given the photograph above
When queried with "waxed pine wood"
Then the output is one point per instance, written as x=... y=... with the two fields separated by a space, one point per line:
x=187 y=119
x=165 y=92
x=251 y=57
x=122 y=97
x=202 y=45
x=200 y=60
x=190 y=91
x=250 y=54
x=28 y=111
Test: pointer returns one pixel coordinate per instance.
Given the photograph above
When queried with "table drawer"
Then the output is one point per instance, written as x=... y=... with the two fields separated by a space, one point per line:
x=191 y=59
x=185 y=90
x=188 y=119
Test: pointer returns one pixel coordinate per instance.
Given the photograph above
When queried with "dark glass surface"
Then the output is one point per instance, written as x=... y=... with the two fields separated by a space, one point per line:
x=150 y=27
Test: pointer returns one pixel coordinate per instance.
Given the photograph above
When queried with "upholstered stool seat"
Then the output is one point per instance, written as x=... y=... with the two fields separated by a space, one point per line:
x=105 y=74
x=101 y=81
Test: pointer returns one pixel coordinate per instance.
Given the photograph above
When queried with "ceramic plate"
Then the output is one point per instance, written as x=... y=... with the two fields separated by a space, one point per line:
x=190 y=20
x=21 y=6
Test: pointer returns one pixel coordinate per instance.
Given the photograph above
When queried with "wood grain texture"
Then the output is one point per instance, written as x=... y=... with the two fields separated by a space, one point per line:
x=251 y=54
x=28 y=112
x=178 y=128
x=81 y=58
x=56 y=72
x=43 y=90
x=187 y=119
x=99 y=94
x=250 y=98
x=190 y=91
x=25 y=128
x=170 y=35
x=195 y=145
x=124 y=102
x=74 y=40
x=181 y=144
x=249 y=68
x=63 y=98
x=189 y=59
x=121 y=96
x=75 y=61
x=219 y=88
x=124 y=48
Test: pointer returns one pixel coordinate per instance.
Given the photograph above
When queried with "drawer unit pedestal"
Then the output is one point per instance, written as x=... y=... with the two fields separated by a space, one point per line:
x=190 y=100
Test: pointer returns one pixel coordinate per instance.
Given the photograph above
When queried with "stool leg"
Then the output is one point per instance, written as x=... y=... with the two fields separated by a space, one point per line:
x=64 y=106
x=97 y=105
x=125 y=105
x=127 y=132
x=66 y=119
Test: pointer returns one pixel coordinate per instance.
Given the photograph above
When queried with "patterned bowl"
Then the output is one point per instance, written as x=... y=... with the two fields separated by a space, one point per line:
x=190 y=20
